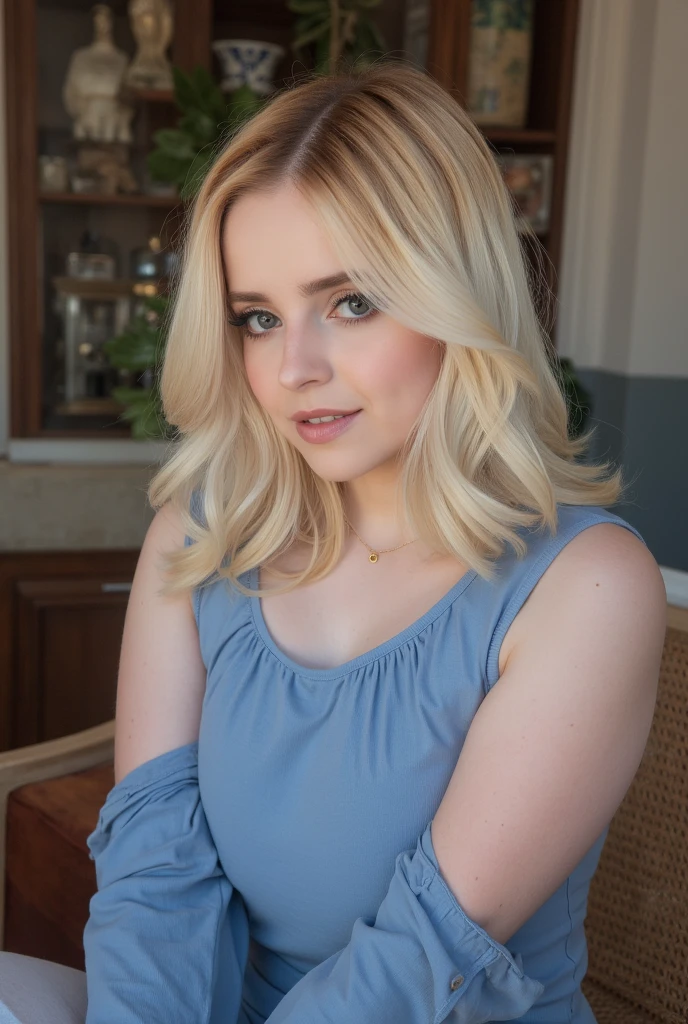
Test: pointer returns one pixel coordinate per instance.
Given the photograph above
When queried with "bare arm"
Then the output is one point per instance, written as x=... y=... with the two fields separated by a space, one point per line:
x=556 y=743
x=161 y=674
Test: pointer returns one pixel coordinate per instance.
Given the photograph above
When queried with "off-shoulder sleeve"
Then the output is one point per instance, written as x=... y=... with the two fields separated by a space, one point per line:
x=166 y=941
x=422 y=960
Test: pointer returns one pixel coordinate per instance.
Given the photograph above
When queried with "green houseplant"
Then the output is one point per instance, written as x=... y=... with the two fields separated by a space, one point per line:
x=183 y=155
x=139 y=350
x=340 y=29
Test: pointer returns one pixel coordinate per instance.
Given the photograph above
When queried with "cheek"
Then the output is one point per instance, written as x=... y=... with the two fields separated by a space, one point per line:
x=404 y=374
x=256 y=374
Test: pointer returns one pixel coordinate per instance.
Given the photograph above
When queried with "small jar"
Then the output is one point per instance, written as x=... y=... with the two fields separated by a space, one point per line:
x=96 y=258
x=53 y=174
x=151 y=262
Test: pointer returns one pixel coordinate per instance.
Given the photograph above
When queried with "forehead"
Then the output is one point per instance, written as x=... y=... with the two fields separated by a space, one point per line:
x=272 y=239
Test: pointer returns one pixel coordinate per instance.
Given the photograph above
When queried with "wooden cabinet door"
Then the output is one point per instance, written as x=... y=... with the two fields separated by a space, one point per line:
x=69 y=634
x=63 y=631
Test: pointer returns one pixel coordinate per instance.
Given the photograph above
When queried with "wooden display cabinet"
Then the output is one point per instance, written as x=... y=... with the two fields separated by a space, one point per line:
x=61 y=622
x=39 y=38
x=46 y=225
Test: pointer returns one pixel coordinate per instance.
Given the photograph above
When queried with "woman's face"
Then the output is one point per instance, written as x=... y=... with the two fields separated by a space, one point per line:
x=320 y=350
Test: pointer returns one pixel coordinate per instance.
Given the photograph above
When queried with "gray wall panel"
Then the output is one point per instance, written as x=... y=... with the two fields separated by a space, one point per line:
x=642 y=423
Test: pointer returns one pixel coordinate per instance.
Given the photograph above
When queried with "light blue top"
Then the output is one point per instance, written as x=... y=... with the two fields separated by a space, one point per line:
x=281 y=869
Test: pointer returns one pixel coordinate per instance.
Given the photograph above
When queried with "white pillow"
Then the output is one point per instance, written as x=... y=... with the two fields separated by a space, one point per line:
x=34 y=991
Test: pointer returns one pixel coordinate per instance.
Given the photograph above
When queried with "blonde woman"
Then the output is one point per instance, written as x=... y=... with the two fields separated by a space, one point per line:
x=389 y=665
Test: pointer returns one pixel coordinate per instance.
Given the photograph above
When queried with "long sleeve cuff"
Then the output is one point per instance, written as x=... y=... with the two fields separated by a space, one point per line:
x=167 y=936
x=422 y=960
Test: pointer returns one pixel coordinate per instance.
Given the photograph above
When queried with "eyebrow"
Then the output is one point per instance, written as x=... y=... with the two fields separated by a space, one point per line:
x=319 y=285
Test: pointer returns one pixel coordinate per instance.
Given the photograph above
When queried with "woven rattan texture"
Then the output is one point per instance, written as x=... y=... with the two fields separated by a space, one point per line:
x=637 y=920
x=612 y=1009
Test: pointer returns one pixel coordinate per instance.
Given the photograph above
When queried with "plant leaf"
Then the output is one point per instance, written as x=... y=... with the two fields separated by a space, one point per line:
x=172 y=140
x=316 y=33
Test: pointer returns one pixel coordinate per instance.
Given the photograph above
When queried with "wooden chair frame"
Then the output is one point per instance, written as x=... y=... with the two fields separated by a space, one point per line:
x=41 y=761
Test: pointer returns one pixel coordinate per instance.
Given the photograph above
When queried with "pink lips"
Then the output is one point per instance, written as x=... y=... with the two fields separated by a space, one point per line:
x=318 y=433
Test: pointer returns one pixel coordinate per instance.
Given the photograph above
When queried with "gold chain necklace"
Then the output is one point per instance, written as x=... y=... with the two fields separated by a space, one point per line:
x=374 y=555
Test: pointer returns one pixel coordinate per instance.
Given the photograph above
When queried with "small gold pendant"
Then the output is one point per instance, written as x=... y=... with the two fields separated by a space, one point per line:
x=372 y=557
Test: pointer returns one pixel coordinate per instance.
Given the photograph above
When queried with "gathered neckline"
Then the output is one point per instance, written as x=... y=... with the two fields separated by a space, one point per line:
x=374 y=654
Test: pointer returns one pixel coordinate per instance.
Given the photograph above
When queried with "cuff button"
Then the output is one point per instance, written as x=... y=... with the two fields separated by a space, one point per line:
x=456 y=982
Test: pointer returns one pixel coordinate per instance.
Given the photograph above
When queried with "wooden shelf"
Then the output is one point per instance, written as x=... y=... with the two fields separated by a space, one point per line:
x=110 y=288
x=149 y=95
x=507 y=136
x=90 y=407
x=117 y=199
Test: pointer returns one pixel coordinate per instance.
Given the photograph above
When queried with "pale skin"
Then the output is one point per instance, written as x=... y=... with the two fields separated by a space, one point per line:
x=555 y=744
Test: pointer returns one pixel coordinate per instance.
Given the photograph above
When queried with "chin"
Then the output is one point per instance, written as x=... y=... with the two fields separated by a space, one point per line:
x=333 y=474
x=338 y=471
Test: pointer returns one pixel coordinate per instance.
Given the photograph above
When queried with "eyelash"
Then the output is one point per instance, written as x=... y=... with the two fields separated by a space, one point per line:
x=240 y=321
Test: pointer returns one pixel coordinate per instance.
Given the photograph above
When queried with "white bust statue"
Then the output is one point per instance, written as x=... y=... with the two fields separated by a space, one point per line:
x=151 y=24
x=91 y=91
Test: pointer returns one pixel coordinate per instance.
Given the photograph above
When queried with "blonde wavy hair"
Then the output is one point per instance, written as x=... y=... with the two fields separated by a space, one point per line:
x=414 y=204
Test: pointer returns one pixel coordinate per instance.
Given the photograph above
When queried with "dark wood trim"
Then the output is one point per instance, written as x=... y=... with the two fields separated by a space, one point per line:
x=193 y=31
x=18 y=570
x=519 y=136
x=21 y=88
x=114 y=433
x=34 y=598
x=448 y=42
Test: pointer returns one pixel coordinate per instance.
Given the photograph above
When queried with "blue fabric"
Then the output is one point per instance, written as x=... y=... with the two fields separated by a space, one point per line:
x=166 y=928
x=282 y=869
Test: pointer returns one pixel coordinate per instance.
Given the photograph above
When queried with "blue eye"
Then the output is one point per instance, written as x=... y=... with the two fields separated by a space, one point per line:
x=353 y=297
x=242 y=320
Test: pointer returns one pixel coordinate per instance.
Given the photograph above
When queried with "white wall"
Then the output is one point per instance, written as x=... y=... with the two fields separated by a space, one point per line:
x=659 y=336
x=625 y=260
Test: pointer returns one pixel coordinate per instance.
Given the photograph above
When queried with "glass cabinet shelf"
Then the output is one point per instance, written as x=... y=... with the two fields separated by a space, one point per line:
x=116 y=199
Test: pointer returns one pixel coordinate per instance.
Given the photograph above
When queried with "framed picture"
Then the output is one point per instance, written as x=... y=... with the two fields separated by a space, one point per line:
x=529 y=179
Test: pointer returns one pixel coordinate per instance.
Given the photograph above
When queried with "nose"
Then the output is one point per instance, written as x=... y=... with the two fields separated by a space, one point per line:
x=304 y=358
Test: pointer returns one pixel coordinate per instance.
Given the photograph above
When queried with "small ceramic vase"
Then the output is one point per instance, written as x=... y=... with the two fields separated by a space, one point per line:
x=249 y=62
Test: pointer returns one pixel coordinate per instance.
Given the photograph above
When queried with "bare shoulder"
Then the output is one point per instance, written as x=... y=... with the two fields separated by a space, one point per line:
x=611 y=558
x=161 y=679
x=604 y=582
